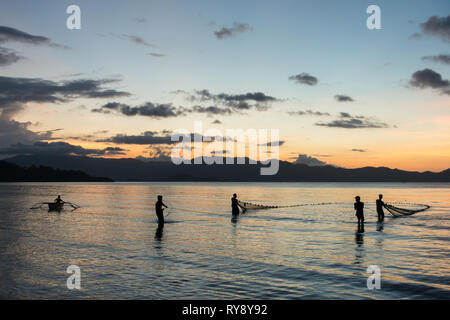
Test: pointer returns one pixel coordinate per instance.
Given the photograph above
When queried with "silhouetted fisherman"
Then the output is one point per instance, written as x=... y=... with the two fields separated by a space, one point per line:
x=59 y=200
x=380 y=205
x=235 y=206
x=359 y=207
x=159 y=210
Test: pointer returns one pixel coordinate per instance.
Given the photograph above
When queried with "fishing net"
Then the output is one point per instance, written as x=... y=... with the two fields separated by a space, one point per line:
x=406 y=210
x=255 y=206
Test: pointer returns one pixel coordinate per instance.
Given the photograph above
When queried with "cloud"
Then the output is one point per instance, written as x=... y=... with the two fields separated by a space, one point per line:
x=135 y=39
x=239 y=102
x=8 y=57
x=217 y=121
x=272 y=143
x=343 y=98
x=437 y=26
x=148 y=109
x=304 y=78
x=140 y=20
x=308 y=113
x=15 y=92
x=212 y=110
x=226 y=104
x=230 y=32
x=442 y=58
x=8 y=34
x=114 y=151
x=12 y=131
x=158 y=153
x=415 y=35
x=55 y=148
x=428 y=78
x=148 y=137
x=155 y=54
x=157 y=138
x=309 y=161
x=359 y=150
x=347 y=121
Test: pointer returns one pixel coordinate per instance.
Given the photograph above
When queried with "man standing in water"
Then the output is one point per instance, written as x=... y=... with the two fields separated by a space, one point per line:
x=235 y=206
x=159 y=210
x=359 y=207
x=380 y=205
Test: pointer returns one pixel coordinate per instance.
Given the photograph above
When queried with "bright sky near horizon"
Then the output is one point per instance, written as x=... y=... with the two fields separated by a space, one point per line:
x=337 y=91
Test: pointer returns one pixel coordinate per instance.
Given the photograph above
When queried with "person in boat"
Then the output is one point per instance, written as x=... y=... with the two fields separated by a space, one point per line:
x=359 y=207
x=58 y=200
x=235 y=206
x=159 y=210
x=380 y=205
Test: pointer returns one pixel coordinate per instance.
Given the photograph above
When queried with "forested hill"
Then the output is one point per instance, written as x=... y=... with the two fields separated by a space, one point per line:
x=10 y=172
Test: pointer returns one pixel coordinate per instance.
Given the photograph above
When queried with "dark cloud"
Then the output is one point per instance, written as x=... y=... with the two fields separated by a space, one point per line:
x=8 y=34
x=229 y=32
x=14 y=92
x=442 y=58
x=359 y=150
x=348 y=121
x=310 y=161
x=53 y=148
x=8 y=57
x=135 y=39
x=155 y=54
x=304 y=78
x=157 y=138
x=217 y=121
x=428 y=78
x=308 y=113
x=158 y=153
x=212 y=110
x=239 y=102
x=114 y=151
x=437 y=26
x=148 y=137
x=12 y=131
x=101 y=132
x=225 y=104
x=272 y=143
x=148 y=109
x=323 y=155
x=343 y=98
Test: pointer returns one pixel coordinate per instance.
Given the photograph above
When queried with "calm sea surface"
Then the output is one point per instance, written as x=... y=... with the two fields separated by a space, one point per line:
x=311 y=252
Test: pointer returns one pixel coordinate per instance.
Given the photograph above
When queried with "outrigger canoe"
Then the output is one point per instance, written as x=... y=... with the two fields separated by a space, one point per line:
x=55 y=206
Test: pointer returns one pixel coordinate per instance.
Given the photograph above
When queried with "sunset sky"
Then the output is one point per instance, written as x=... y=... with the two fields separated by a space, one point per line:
x=138 y=70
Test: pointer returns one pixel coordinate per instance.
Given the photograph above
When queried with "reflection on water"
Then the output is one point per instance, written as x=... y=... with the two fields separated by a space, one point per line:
x=312 y=252
x=359 y=240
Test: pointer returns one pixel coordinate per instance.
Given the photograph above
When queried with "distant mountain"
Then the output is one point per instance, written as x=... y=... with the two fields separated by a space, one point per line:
x=10 y=172
x=136 y=170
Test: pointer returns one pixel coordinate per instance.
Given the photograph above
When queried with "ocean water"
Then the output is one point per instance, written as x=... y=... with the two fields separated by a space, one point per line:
x=309 y=252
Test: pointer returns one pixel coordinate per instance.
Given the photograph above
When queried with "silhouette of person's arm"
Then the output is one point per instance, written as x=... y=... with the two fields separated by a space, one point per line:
x=164 y=204
x=243 y=208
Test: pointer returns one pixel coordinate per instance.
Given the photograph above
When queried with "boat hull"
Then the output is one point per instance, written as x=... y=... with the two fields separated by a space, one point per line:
x=55 y=206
